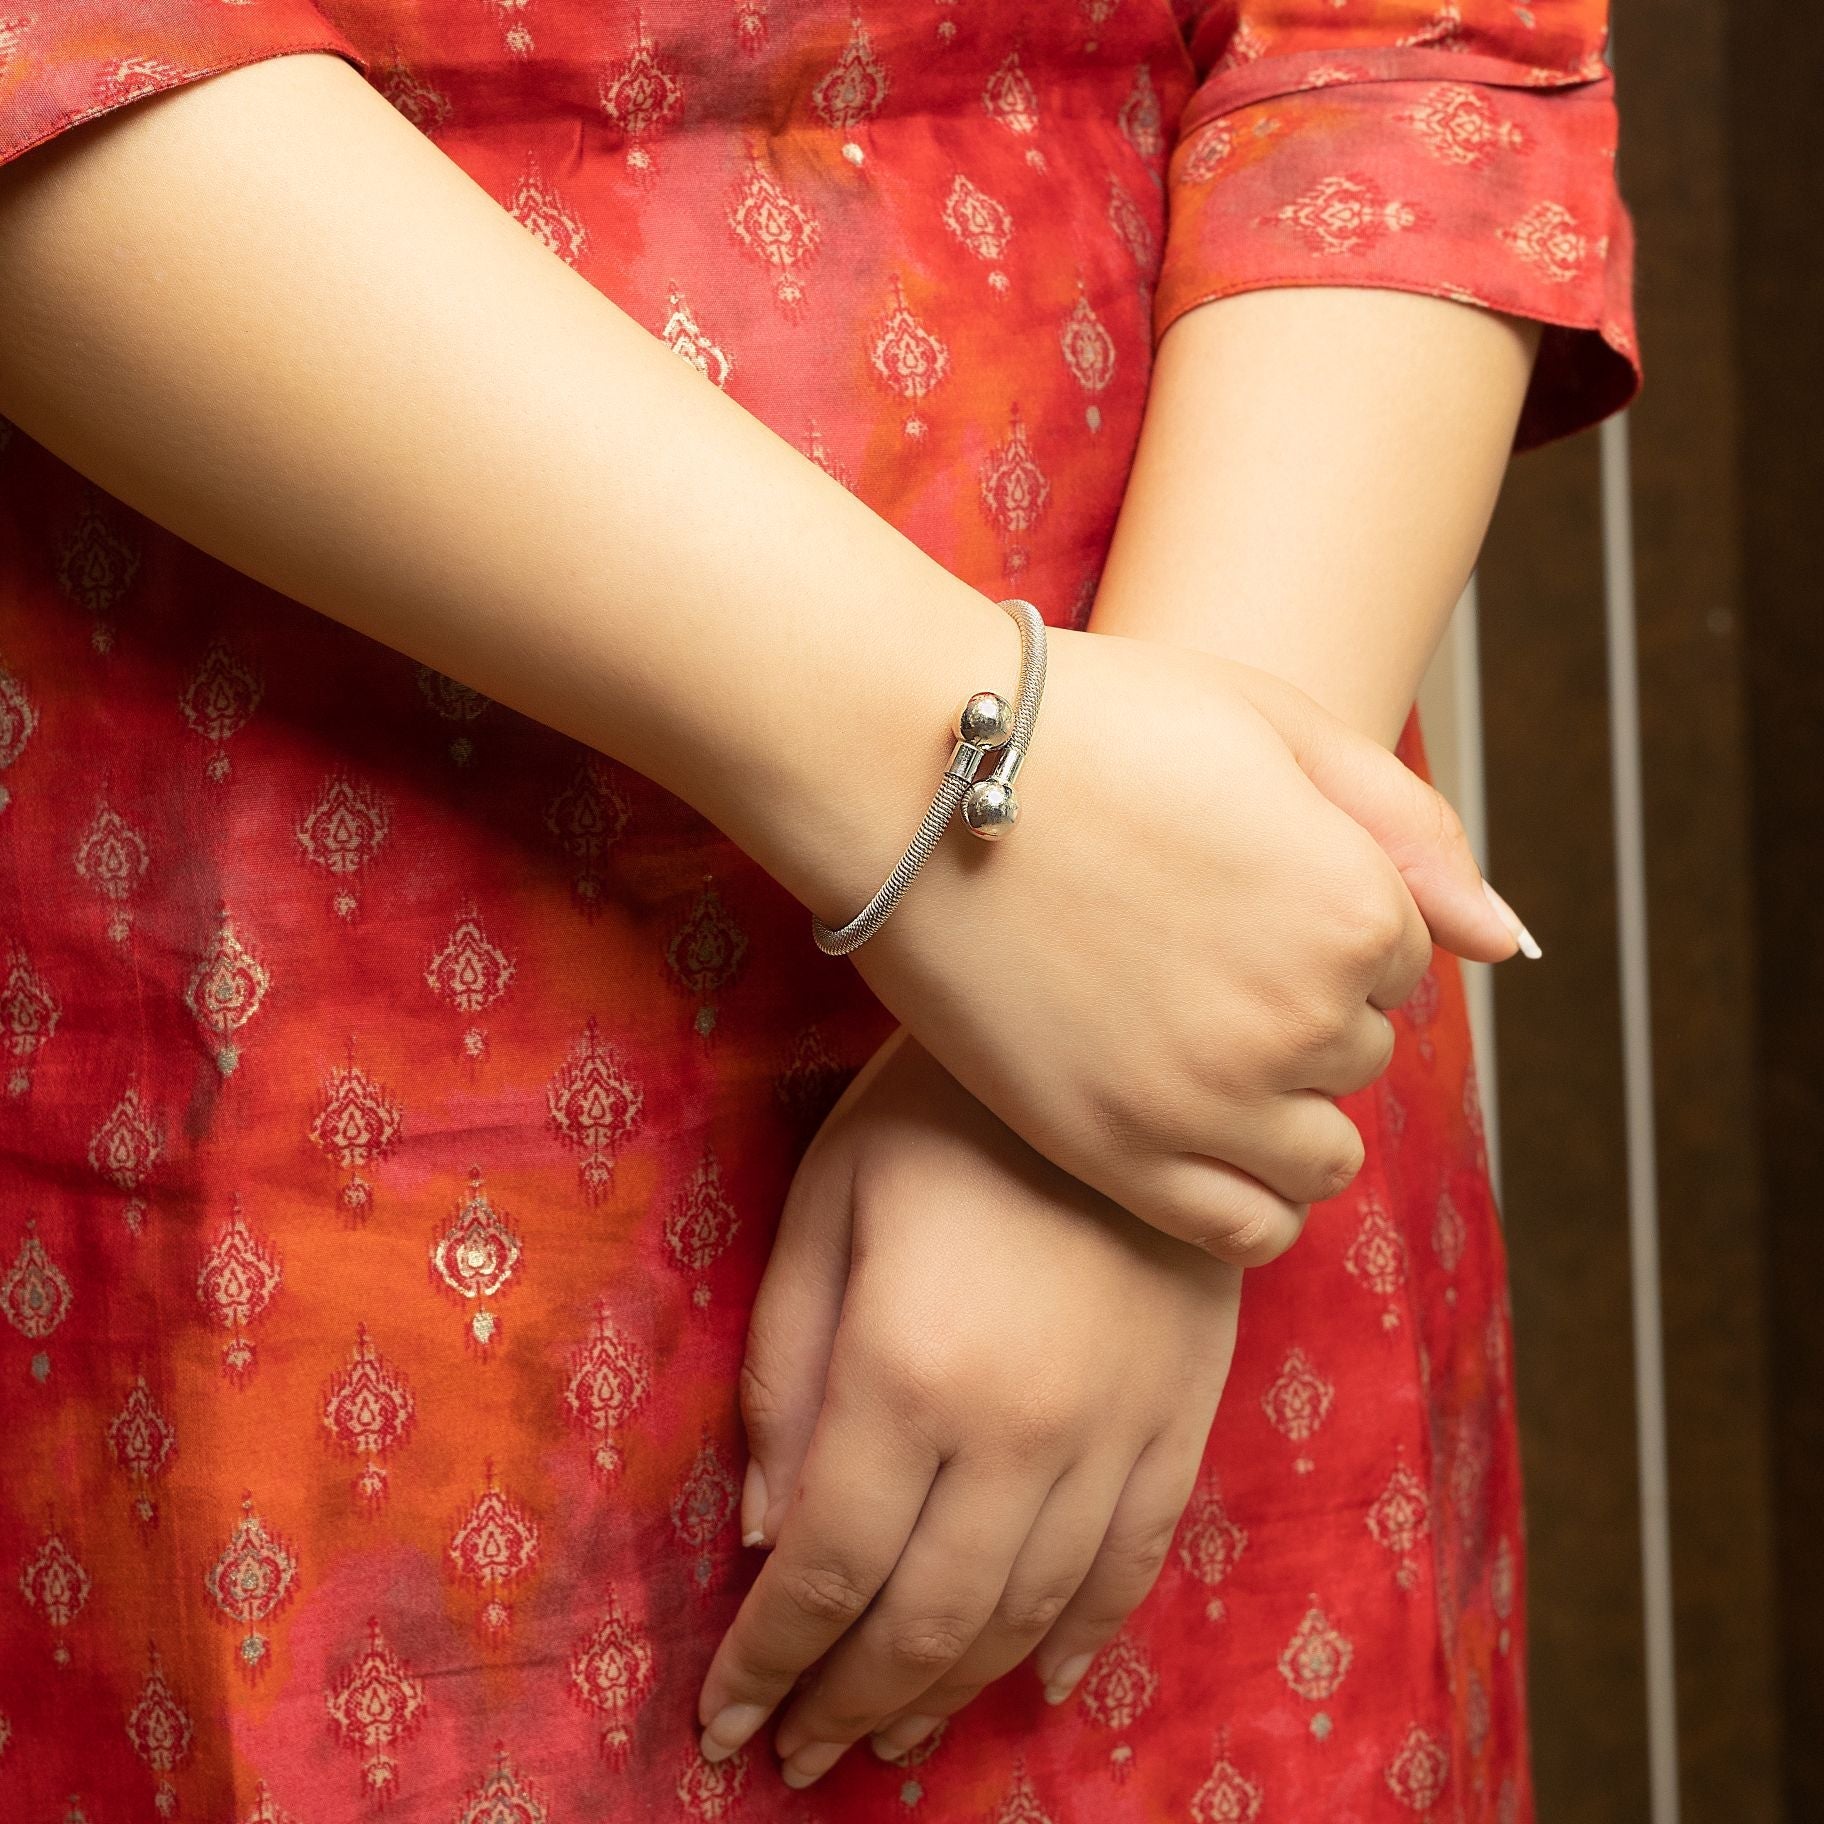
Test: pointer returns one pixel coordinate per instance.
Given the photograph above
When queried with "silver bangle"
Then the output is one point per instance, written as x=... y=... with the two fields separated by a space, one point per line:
x=991 y=807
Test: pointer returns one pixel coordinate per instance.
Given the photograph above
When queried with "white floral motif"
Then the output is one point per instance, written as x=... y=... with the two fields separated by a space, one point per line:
x=112 y=858
x=1401 y=1514
x=982 y=224
x=907 y=356
x=1247 y=44
x=344 y=829
x=1448 y=1233
x=1377 y=1255
x=221 y=696
x=1131 y=226
x=587 y=818
x=710 y=1791
x=358 y=1124
x=684 y=336
x=1228 y=1796
x=18 y=720
x=855 y=88
x=1458 y=124
x=1419 y=1771
x=375 y=1703
x=1316 y=1659
x=641 y=95
x=1089 y=350
x=141 y=1441
x=538 y=208
x=160 y=1730
x=1015 y=490
x=1445 y=31
x=503 y=1797
x=470 y=971
x=1209 y=1542
x=1140 y=116
x=702 y=1222
x=476 y=1255
x=594 y=1104
x=1021 y=1805
x=611 y=1670
x=368 y=1410
x=1009 y=96
x=608 y=1382
x=704 y=1505
x=239 y=1278
x=254 y=1575
x=776 y=229
x=225 y=991
x=1549 y=240
x=56 y=1585
x=125 y=1148
x=124 y=79
x=495 y=1544
x=425 y=106
x=1341 y=215
x=28 y=1018
x=35 y=1294
x=1119 y=1686
x=750 y=25
x=1299 y=1400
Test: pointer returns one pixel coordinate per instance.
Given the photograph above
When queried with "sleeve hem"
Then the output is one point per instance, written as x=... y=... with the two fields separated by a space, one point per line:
x=166 y=78
x=1574 y=343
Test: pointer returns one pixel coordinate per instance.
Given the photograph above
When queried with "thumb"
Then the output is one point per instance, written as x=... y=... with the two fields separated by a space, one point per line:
x=791 y=1333
x=1415 y=825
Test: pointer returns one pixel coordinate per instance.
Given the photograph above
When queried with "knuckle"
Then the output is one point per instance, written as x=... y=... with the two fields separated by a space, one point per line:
x=829 y=1591
x=1036 y=1427
x=920 y=1386
x=1032 y=1611
x=1373 y=935
x=924 y=1645
x=761 y=1401
x=1254 y=1234
x=1140 y=1554
x=1339 y=1171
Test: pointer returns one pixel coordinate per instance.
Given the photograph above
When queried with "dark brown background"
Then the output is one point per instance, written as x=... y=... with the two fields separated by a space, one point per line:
x=1723 y=167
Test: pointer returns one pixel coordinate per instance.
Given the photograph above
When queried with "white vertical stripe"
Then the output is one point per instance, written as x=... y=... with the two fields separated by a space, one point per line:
x=1637 y=1080
x=1472 y=806
x=1450 y=706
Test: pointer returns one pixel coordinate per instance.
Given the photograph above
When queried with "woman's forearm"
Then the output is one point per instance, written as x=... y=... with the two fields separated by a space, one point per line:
x=269 y=314
x=1313 y=483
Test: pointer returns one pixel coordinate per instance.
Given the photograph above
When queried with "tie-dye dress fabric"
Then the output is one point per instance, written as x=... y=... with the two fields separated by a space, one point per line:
x=398 y=1097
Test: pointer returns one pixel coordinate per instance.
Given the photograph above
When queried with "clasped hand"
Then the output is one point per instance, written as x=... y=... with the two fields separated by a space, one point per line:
x=977 y=1391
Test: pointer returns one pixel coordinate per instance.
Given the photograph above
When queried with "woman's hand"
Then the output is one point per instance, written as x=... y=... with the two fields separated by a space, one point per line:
x=1165 y=975
x=977 y=1395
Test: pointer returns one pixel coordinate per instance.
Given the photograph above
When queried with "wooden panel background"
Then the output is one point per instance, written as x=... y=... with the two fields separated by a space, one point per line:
x=1720 y=169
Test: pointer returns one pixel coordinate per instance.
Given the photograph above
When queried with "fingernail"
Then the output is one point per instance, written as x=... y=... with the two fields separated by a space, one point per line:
x=1529 y=945
x=812 y=1762
x=1064 y=1680
x=904 y=1735
x=753 y=1504
x=730 y=1730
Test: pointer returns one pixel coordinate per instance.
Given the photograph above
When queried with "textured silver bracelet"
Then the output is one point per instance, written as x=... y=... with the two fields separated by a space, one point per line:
x=985 y=724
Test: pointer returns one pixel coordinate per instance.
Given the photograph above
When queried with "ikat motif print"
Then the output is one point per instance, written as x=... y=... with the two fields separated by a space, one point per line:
x=398 y=1099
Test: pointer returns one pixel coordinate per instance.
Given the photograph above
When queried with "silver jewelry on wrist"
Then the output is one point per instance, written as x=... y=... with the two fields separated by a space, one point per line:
x=985 y=724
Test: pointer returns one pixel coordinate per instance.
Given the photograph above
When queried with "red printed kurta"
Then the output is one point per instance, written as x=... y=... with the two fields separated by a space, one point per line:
x=398 y=1098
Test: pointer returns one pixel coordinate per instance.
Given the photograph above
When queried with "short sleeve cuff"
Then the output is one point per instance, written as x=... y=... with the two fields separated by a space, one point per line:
x=1460 y=177
x=62 y=65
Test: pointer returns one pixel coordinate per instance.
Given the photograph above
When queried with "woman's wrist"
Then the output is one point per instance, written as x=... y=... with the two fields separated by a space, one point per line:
x=824 y=781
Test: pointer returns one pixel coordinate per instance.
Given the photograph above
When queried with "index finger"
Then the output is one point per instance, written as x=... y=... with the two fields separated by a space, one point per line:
x=863 y=1487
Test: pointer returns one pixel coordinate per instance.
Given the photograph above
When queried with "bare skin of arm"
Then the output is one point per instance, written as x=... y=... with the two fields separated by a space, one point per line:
x=1313 y=483
x=271 y=315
